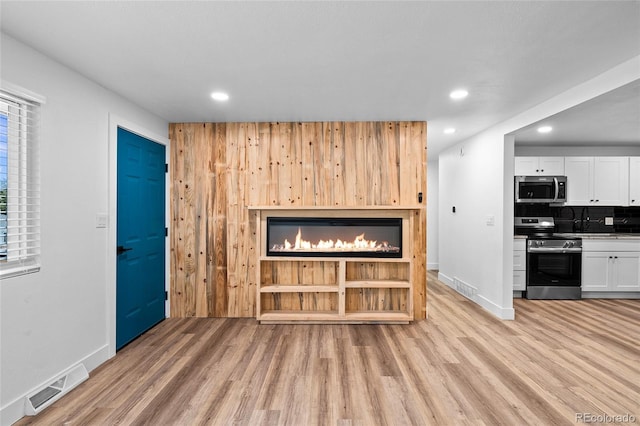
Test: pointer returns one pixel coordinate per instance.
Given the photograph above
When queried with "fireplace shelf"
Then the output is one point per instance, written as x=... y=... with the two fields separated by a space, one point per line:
x=276 y=288
x=335 y=259
x=279 y=317
x=316 y=289
x=378 y=284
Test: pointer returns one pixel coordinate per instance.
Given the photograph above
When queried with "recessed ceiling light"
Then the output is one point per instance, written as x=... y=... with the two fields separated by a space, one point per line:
x=458 y=94
x=449 y=130
x=545 y=129
x=220 y=96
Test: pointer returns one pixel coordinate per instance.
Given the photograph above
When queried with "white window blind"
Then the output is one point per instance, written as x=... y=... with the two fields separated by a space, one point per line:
x=19 y=185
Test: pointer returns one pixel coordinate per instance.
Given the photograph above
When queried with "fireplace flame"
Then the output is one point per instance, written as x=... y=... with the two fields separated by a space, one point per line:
x=360 y=243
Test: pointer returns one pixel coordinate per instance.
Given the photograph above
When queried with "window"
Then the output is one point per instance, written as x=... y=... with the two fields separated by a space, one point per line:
x=19 y=185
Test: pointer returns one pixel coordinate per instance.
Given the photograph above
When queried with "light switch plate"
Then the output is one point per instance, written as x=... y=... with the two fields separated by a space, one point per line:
x=491 y=220
x=102 y=220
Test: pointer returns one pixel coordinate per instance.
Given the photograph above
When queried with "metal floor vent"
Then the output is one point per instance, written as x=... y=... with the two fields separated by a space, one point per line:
x=50 y=393
x=464 y=288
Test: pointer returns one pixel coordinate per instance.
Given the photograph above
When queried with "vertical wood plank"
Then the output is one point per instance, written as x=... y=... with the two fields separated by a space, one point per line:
x=419 y=147
x=338 y=163
x=189 y=221
x=177 y=284
x=350 y=165
x=218 y=239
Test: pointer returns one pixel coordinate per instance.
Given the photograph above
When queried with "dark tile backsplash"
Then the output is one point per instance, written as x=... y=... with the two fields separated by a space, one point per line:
x=585 y=218
x=626 y=219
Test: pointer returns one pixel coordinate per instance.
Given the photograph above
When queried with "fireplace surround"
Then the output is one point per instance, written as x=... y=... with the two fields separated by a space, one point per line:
x=334 y=264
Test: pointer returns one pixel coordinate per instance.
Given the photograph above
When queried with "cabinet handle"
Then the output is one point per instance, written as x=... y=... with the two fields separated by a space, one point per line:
x=542 y=170
x=537 y=170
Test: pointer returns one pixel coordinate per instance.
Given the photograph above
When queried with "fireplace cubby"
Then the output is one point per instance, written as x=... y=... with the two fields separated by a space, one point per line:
x=304 y=277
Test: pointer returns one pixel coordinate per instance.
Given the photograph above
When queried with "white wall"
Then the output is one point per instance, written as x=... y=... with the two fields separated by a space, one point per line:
x=55 y=318
x=432 y=214
x=476 y=176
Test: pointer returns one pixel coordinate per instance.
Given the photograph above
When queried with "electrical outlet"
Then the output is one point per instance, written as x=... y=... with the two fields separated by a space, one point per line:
x=608 y=221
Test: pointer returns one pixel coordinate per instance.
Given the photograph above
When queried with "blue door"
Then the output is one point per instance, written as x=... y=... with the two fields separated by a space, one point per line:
x=140 y=274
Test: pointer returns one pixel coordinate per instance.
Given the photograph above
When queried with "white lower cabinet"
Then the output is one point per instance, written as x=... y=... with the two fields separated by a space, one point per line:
x=519 y=264
x=611 y=271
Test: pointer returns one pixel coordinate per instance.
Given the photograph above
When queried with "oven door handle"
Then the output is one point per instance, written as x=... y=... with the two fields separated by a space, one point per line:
x=557 y=185
x=554 y=250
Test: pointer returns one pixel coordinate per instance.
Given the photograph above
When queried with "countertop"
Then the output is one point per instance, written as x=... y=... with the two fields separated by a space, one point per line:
x=589 y=236
x=599 y=236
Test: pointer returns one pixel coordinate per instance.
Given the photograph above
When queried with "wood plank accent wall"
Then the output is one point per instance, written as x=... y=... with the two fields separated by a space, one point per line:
x=218 y=169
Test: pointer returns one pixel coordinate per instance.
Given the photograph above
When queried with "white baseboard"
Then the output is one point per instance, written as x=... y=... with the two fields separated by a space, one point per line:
x=610 y=295
x=498 y=311
x=445 y=279
x=14 y=411
x=432 y=266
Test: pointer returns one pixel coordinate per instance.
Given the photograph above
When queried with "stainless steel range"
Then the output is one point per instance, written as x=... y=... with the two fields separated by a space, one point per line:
x=554 y=263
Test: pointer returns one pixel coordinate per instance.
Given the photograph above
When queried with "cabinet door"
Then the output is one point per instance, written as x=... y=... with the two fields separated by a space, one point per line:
x=526 y=166
x=626 y=271
x=551 y=166
x=634 y=181
x=519 y=280
x=611 y=181
x=596 y=271
x=579 y=171
x=519 y=260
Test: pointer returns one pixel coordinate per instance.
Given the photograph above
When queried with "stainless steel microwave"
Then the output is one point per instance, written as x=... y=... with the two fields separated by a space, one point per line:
x=541 y=189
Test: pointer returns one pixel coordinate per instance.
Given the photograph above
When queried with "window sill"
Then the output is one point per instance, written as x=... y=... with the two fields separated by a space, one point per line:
x=9 y=270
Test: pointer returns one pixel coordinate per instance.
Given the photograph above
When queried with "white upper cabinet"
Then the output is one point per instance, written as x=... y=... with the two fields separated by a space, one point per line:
x=539 y=166
x=634 y=181
x=579 y=171
x=551 y=166
x=611 y=181
x=598 y=181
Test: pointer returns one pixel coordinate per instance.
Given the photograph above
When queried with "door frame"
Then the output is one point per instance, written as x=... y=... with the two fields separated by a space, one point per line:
x=116 y=122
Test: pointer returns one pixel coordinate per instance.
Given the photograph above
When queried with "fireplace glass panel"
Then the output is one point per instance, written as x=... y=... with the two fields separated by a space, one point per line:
x=334 y=237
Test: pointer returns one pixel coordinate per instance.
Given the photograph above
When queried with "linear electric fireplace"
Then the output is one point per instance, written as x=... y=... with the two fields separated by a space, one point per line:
x=334 y=237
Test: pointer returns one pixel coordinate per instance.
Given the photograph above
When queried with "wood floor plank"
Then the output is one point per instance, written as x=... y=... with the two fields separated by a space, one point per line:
x=462 y=366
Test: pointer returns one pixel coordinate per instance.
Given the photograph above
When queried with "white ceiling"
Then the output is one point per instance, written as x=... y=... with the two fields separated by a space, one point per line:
x=317 y=61
x=609 y=119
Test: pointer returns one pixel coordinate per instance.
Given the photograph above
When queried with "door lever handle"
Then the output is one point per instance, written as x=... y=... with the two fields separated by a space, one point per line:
x=121 y=249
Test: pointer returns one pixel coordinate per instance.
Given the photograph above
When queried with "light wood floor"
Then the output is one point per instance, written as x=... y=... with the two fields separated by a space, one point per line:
x=460 y=366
